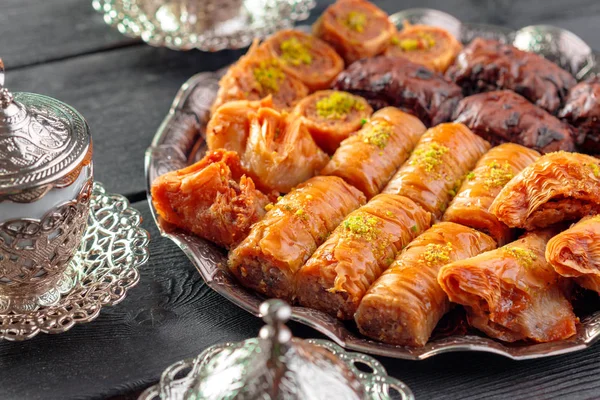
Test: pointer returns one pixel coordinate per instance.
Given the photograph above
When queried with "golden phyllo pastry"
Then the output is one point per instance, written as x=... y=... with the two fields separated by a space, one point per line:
x=331 y=116
x=513 y=293
x=405 y=304
x=257 y=75
x=229 y=125
x=341 y=270
x=369 y=158
x=305 y=57
x=280 y=152
x=575 y=253
x=435 y=170
x=277 y=246
x=211 y=198
x=355 y=29
x=430 y=46
x=481 y=186
x=557 y=187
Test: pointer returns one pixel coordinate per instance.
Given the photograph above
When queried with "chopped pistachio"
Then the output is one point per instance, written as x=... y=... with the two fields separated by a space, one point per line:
x=268 y=75
x=497 y=175
x=524 y=257
x=362 y=226
x=429 y=156
x=356 y=21
x=595 y=169
x=337 y=105
x=436 y=254
x=377 y=135
x=295 y=52
x=471 y=176
x=269 y=207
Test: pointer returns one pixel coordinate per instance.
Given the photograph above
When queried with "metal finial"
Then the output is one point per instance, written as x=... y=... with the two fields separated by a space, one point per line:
x=275 y=313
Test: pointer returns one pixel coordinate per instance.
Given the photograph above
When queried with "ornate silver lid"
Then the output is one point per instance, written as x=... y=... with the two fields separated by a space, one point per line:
x=43 y=144
x=276 y=366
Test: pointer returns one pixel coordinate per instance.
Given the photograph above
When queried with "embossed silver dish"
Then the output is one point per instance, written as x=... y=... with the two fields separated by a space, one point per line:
x=208 y=25
x=46 y=176
x=277 y=366
x=178 y=141
x=104 y=267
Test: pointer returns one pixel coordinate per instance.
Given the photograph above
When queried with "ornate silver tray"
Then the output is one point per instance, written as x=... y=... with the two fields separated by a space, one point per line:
x=178 y=141
x=179 y=377
x=104 y=267
x=208 y=25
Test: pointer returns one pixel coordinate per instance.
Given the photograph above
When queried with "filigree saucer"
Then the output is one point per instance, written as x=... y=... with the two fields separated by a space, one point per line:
x=104 y=267
x=208 y=25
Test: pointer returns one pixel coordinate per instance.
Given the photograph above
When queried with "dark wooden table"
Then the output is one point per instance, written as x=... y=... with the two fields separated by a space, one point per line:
x=124 y=88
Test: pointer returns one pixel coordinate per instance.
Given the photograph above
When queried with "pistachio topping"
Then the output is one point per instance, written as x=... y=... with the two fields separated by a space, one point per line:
x=356 y=21
x=337 y=105
x=423 y=41
x=436 y=254
x=471 y=175
x=268 y=75
x=497 y=175
x=300 y=213
x=295 y=52
x=269 y=207
x=429 y=157
x=595 y=169
x=362 y=226
x=524 y=257
x=378 y=135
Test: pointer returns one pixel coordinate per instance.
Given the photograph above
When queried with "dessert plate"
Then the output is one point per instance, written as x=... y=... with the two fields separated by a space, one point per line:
x=104 y=267
x=179 y=140
x=207 y=25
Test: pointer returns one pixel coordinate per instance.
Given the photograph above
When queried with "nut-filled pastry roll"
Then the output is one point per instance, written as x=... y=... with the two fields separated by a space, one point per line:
x=513 y=293
x=575 y=253
x=405 y=304
x=305 y=57
x=557 y=187
x=435 y=170
x=277 y=246
x=430 y=46
x=341 y=270
x=280 y=153
x=481 y=186
x=211 y=198
x=331 y=116
x=355 y=29
x=369 y=158
x=257 y=75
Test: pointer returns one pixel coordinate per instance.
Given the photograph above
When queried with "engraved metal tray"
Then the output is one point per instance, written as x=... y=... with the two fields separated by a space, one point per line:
x=178 y=142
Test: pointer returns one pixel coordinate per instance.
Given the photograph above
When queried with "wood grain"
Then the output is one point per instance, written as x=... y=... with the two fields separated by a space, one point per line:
x=34 y=31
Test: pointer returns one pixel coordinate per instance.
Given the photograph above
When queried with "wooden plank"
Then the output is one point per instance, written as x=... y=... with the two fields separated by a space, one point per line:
x=33 y=31
x=172 y=315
